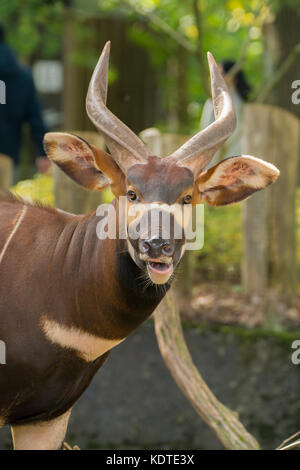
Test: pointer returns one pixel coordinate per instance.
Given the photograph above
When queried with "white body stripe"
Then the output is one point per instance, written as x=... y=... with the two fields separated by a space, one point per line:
x=15 y=228
x=88 y=346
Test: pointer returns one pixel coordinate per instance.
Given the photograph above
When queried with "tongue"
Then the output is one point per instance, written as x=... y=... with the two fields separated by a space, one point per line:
x=159 y=273
x=162 y=267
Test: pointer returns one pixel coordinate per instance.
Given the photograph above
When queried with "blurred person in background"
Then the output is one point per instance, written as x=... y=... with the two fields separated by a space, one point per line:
x=239 y=90
x=21 y=106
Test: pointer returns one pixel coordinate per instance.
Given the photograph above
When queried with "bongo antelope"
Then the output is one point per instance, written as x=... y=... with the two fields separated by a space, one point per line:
x=68 y=297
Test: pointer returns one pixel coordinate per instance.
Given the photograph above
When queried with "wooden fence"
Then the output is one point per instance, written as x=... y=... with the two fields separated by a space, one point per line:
x=269 y=228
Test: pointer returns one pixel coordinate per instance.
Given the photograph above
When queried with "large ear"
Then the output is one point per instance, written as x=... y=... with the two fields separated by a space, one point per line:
x=234 y=179
x=86 y=164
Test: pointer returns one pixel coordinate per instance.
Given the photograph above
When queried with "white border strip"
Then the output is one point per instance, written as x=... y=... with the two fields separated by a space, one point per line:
x=21 y=217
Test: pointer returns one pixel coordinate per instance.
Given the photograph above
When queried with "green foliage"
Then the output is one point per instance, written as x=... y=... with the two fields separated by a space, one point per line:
x=39 y=188
x=221 y=256
x=33 y=25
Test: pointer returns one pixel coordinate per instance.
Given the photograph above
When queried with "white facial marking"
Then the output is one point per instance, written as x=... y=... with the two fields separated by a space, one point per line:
x=131 y=250
x=161 y=219
x=88 y=346
x=20 y=216
x=182 y=250
x=171 y=209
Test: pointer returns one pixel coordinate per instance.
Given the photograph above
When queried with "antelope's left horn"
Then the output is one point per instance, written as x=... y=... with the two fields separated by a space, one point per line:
x=125 y=147
x=198 y=151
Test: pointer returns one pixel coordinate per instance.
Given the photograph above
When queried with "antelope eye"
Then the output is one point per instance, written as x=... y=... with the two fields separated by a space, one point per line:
x=132 y=196
x=186 y=199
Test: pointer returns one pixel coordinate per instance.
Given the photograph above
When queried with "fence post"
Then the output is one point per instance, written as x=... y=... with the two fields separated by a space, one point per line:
x=6 y=172
x=269 y=216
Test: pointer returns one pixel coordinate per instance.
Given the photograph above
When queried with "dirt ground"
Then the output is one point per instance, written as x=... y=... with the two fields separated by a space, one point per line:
x=225 y=304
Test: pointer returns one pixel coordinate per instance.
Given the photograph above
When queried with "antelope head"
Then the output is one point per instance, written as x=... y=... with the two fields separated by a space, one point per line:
x=154 y=183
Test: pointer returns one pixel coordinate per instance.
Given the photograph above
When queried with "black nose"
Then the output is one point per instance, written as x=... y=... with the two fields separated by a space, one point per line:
x=155 y=247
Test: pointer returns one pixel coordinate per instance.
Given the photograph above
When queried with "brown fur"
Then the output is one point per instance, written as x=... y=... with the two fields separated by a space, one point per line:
x=66 y=273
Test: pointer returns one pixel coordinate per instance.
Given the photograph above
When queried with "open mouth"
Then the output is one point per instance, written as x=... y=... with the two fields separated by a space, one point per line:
x=159 y=271
x=159 y=266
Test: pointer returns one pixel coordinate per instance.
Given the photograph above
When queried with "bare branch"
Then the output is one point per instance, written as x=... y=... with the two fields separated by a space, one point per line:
x=291 y=446
x=67 y=446
x=283 y=445
x=161 y=24
x=175 y=353
x=239 y=64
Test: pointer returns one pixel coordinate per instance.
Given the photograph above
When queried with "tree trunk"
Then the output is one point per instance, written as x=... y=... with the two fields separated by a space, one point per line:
x=74 y=78
x=272 y=134
x=254 y=265
x=281 y=36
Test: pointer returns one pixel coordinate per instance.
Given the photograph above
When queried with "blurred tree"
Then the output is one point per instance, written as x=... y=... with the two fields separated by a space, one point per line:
x=176 y=34
x=33 y=27
x=277 y=140
x=230 y=29
x=282 y=46
x=282 y=43
x=133 y=92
